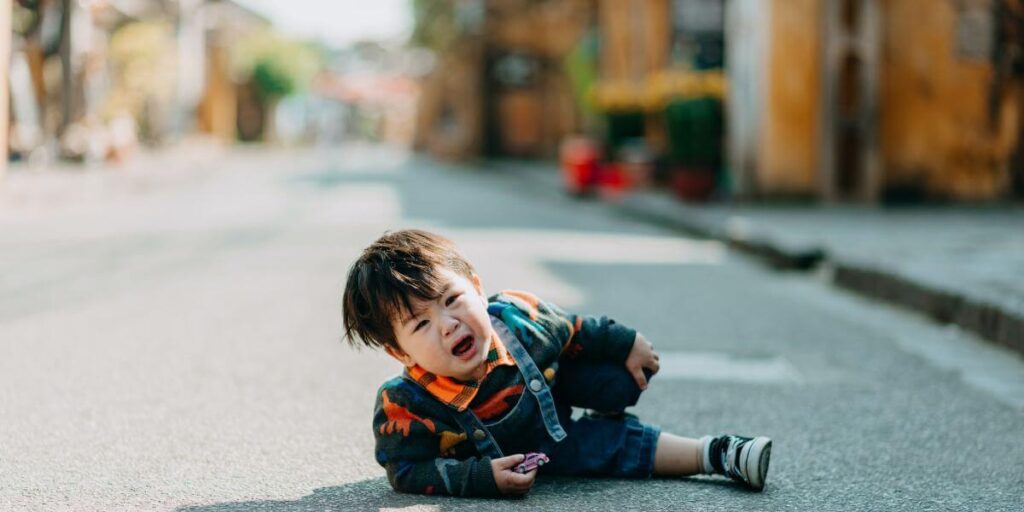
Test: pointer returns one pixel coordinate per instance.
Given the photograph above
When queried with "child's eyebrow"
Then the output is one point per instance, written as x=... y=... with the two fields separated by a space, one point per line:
x=412 y=316
x=418 y=312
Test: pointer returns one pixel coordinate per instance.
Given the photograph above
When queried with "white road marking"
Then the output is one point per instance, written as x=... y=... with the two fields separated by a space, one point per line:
x=719 y=366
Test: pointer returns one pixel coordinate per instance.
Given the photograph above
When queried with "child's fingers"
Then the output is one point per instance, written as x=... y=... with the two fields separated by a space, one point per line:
x=639 y=377
x=508 y=461
x=524 y=480
x=654 y=366
x=518 y=482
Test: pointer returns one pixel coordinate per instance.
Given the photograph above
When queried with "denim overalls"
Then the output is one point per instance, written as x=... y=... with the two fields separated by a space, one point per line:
x=610 y=445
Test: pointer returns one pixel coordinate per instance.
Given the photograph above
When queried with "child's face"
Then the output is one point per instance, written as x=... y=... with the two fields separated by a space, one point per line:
x=449 y=336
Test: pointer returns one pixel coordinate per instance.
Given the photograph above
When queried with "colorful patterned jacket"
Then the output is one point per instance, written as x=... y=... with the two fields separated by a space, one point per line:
x=419 y=442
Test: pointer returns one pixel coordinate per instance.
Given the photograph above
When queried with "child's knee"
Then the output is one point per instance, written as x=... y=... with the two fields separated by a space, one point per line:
x=606 y=387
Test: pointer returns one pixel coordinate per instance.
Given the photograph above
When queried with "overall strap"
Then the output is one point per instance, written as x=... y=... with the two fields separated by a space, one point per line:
x=535 y=381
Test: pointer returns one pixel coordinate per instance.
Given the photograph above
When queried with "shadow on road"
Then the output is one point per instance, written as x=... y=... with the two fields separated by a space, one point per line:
x=550 y=493
x=372 y=494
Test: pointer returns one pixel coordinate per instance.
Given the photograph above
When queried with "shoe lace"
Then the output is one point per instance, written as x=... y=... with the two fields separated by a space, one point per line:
x=729 y=449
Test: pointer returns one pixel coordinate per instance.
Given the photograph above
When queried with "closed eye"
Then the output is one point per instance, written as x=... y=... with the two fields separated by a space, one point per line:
x=452 y=299
x=422 y=323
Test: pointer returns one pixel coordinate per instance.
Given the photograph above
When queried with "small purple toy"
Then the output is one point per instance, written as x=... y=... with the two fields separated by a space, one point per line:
x=532 y=461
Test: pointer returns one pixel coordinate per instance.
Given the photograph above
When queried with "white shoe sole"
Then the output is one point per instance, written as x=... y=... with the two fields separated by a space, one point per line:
x=755 y=461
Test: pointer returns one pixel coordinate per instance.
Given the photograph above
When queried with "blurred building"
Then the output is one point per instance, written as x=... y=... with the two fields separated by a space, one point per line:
x=222 y=97
x=500 y=87
x=875 y=99
x=837 y=100
x=90 y=79
x=367 y=91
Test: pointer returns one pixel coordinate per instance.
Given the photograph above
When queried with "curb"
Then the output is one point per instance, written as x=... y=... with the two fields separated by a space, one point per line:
x=987 y=320
x=690 y=222
x=991 y=322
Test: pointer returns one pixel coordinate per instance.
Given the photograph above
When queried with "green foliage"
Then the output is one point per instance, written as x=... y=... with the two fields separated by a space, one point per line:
x=581 y=66
x=433 y=23
x=271 y=80
x=695 y=131
x=25 y=17
x=277 y=66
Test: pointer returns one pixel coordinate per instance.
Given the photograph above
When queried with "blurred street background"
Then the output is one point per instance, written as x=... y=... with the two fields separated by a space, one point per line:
x=813 y=208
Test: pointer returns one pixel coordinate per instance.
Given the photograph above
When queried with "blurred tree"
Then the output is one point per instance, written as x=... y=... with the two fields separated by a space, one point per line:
x=433 y=24
x=270 y=67
x=581 y=66
x=276 y=66
x=26 y=16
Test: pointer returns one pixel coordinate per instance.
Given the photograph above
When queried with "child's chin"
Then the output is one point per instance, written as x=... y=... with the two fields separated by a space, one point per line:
x=474 y=373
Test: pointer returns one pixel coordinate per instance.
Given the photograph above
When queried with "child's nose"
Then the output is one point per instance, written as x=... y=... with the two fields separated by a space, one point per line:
x=449 y=324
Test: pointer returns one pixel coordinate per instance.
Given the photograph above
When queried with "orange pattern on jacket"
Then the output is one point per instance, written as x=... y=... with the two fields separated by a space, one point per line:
x=400 y=419
x=449 y=440
x=496 y=405
x=525 y=301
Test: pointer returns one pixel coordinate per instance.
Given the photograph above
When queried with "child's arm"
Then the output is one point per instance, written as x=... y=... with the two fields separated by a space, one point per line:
x=642 y=356
x=592 y=338
x=587 y=338
x=409 y=448
x=586 y=344
x=603 y=339
x=474 y=477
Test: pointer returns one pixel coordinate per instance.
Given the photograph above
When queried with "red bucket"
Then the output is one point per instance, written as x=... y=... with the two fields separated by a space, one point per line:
x=612 y=181
x=579 y=162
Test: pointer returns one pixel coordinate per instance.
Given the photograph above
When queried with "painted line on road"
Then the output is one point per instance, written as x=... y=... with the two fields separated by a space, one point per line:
x=720 y=366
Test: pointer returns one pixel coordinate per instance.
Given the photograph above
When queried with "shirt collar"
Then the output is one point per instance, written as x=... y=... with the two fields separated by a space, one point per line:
x=455 y=393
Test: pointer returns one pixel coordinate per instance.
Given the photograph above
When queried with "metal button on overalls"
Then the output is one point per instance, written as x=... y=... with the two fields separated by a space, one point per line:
x=535 y=385
x=479 y=434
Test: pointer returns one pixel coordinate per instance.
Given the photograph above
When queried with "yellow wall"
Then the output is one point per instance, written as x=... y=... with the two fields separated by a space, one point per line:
x=635 y=37
x=218 y=108
x=935 y=127
x=548 y=29
x=788 y=151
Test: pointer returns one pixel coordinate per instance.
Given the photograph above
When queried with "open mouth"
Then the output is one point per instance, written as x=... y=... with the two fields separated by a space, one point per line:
x=463 y=346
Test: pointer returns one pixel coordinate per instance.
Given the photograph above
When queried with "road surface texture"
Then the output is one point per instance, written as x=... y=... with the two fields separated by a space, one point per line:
x=170 y=340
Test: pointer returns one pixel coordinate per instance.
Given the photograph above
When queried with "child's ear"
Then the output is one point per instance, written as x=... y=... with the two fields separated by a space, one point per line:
x=479 y=285
x=402 y=357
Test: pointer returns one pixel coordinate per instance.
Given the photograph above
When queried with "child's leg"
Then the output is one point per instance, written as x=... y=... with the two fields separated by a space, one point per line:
x=604 y=387
x=678 y=456
x=604 y=445
x=744 y=459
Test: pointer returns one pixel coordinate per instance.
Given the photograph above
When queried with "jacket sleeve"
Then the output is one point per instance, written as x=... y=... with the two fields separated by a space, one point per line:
x=466 y=478
x=408 y=446
x=591 y=338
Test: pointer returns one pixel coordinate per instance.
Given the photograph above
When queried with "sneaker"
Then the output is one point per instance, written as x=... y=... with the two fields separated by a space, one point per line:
x=743 y=459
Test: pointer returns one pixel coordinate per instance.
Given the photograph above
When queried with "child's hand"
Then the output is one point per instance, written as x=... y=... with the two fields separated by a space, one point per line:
x=642 y=356
x=510 y=482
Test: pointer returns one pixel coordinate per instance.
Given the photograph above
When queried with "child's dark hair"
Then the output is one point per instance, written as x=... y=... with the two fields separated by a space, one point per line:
x=399 y=265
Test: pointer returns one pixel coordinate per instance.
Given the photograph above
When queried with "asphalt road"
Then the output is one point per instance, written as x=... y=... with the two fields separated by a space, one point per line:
x=170 y=340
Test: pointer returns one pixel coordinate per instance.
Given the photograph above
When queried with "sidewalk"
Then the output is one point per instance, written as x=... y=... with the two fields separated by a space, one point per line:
x=58 y=187
x=956 y=264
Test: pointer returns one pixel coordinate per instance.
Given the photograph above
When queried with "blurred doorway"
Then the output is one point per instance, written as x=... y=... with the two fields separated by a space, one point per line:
x=849 y=153
x=515 y=104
